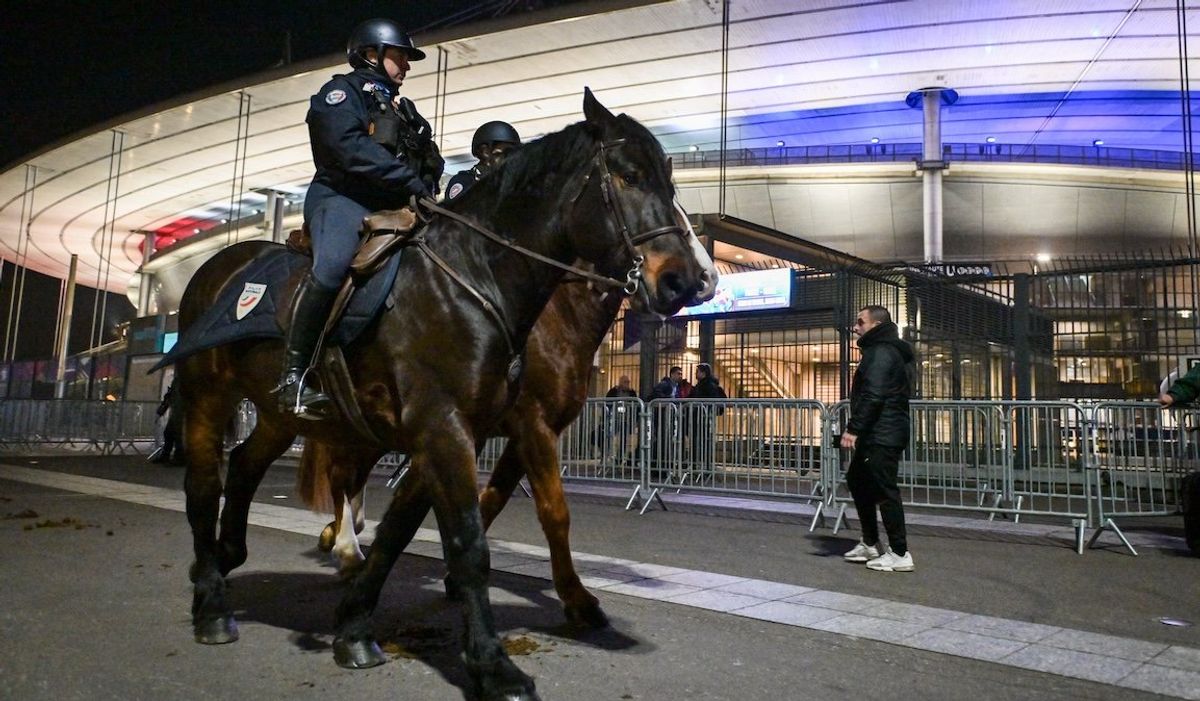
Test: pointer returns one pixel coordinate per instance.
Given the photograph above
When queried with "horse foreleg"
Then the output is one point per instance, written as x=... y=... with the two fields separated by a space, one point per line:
x=536 y=445
x=248 y=463
x=449 y=472
x=204 y=423
x=355 y=646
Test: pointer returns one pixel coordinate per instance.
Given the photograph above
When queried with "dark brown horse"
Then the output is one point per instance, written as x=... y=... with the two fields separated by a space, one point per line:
x=553 y=390
x=434 y=372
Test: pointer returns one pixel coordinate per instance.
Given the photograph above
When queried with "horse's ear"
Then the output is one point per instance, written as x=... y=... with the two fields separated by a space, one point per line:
x=593 y=111
x=669 y=167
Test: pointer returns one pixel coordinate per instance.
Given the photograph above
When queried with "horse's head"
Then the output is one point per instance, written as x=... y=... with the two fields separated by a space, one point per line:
x=644 y=238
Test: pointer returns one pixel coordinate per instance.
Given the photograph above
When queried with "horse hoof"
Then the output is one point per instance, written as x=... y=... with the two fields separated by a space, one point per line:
x=325 y=541
x=529 y=695
x=357 y=654
x=216 y=631
x=587 y=616
x=502 y=681
x=523 y=692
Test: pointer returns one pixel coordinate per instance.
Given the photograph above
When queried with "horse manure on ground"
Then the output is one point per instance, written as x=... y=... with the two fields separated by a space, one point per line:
x=27 y=513
x=65 y=522
x=521 y=645
x=416 y=641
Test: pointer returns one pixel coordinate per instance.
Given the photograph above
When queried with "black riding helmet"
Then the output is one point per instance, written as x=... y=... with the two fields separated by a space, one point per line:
x=493 y=132
x=379 y=34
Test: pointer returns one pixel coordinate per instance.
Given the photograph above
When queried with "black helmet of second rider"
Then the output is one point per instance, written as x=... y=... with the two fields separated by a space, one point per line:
x=492 y=141
x=379 y=35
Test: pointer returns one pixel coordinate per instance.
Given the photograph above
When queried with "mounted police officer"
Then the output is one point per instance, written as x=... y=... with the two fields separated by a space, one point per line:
x=491 y=143
x=372 y=151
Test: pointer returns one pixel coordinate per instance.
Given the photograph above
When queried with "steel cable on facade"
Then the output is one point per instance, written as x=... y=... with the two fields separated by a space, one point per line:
x=237 y=183
x=108 y=233
x=17 y=295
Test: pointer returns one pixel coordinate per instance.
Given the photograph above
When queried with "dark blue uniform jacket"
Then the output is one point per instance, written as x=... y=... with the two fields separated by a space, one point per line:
x=350 y=160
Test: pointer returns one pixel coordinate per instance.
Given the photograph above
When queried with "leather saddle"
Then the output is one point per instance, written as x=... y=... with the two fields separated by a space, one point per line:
x=383 y=234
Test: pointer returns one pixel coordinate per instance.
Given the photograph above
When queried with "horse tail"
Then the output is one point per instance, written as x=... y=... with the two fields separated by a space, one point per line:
x=312 y=477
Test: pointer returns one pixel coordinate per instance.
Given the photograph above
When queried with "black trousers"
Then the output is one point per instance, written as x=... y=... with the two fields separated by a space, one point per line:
x=872 y=482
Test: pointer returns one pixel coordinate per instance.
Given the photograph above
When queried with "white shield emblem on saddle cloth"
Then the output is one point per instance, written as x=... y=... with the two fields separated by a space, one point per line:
x=252 y=294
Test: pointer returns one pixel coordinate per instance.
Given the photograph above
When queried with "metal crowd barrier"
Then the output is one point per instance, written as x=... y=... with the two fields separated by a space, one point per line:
x=1092 y=465
x=1047 y=455
x=755 y=447
x=108 y=427
x=603 y=444
x=1008 y=459
x=1139 y=453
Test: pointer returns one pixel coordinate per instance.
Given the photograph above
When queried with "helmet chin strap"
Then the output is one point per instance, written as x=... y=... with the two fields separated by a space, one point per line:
x=376 y=66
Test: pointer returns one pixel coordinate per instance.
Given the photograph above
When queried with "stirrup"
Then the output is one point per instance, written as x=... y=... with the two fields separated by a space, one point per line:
x=300 y=408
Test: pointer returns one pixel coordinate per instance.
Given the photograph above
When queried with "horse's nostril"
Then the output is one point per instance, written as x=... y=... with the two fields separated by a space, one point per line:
x=674 y=283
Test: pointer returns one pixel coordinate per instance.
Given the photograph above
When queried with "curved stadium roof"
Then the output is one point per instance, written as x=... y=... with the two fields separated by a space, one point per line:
x=1029 y=74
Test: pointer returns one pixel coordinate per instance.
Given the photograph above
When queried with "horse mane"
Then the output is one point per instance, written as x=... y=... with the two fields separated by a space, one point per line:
x=528 y=170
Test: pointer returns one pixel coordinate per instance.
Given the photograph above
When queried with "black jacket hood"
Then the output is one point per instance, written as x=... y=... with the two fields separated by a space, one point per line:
x=888 y=333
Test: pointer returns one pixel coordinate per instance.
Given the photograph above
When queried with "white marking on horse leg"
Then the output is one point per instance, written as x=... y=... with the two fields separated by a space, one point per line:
x=345 y=548
x=360 y=514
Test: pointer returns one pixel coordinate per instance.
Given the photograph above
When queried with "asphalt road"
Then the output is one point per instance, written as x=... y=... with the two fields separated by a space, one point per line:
x=97 y=607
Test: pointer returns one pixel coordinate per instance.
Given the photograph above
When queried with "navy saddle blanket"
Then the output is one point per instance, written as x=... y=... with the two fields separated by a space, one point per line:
x=255 y=295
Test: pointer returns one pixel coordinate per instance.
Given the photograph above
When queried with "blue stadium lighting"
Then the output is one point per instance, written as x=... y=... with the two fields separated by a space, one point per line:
x=874 y=139
x=1139 y=119
x=990 y=139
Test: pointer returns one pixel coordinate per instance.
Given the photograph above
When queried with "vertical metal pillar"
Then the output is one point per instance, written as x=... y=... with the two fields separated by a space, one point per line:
x=932 y=163
x=277 y=209
x=64 y=331
x=648 y=354
x=145 y=280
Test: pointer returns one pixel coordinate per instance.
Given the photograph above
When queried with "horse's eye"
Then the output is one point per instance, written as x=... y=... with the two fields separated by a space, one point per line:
x=631 y=178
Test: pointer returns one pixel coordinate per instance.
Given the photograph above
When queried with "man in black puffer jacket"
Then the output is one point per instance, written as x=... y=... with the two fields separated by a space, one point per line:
x=878 y=434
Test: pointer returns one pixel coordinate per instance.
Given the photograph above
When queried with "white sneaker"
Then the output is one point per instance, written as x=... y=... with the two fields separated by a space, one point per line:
x=861 y=553
x=891 y=562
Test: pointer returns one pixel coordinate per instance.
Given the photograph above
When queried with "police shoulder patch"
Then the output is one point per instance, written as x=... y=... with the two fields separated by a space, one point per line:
x=252 y=294
x=334 y=97
x=455 y=190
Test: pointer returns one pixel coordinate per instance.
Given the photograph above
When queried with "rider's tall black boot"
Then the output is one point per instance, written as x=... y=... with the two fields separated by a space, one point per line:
x=310 y=308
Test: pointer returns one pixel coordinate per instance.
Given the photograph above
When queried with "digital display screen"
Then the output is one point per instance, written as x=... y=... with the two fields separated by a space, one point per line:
x=169 y=339
x=747 y=292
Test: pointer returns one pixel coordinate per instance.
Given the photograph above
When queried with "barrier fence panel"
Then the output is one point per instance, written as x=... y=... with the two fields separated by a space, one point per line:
x=1009 y=459
x=80 y=424
x=601 y=445
x=1049 y=459
x=956 y=457
x=134 y=428
x=1139 y=454
x=603 y=442
x=755 y=447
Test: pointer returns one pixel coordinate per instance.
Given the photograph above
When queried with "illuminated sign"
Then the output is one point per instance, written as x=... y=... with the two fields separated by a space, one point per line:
x=169 y=340
x=747 y=292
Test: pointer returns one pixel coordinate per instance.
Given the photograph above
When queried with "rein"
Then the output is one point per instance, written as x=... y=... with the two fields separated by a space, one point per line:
x=633 y=278
x=426 y=208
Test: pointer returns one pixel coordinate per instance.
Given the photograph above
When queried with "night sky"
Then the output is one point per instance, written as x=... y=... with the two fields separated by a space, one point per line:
x=68 y=66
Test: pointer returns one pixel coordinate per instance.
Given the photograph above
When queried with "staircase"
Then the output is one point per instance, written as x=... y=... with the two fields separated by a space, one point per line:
x=747 y=377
